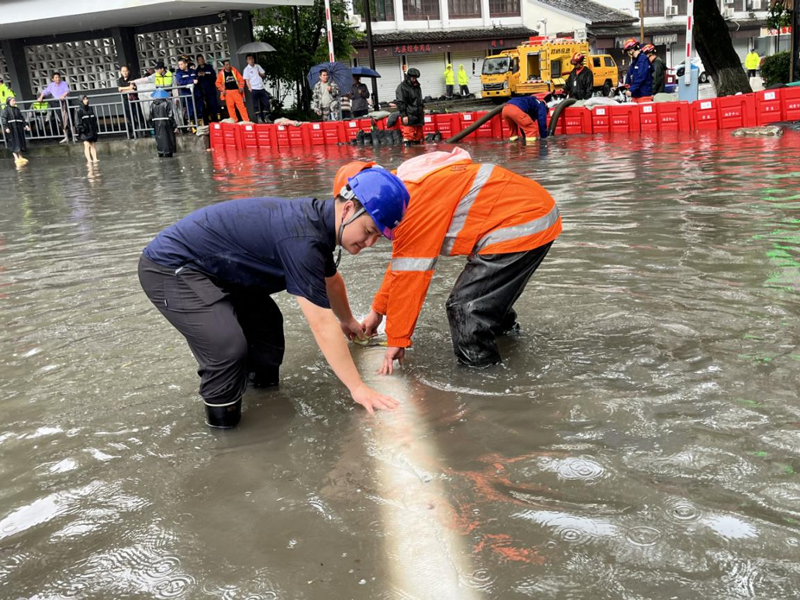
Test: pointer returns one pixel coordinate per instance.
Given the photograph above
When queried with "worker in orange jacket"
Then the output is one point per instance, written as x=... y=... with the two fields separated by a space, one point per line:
x=230 y=84
x=503 y=222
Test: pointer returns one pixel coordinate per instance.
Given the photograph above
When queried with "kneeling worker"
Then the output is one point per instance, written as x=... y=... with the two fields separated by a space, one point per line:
x=526 y=113
x=503 y=222
x=211 y=275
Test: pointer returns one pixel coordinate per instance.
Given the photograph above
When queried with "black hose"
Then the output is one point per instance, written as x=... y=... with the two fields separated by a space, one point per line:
x=557 y=113
x=462 y=134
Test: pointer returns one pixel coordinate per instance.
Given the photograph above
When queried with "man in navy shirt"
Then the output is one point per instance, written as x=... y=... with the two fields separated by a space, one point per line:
x=527 y=114
x=211 y=275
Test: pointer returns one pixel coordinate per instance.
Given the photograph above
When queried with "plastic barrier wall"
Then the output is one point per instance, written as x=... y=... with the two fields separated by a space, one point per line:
x=730 y=112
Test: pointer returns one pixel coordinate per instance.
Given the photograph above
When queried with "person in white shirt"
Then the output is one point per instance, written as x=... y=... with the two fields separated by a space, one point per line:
x=254 y=75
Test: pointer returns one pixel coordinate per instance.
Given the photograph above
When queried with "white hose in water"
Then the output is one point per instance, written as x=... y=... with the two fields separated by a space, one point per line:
x=427 y=558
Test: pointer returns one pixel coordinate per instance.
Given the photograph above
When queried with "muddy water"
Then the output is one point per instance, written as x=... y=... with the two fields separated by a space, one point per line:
x=641 y=440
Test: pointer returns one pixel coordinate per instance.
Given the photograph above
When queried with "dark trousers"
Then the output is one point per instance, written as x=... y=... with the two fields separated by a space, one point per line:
x=464 y=90
x=260 y=104
x=480 y=306
x=751 y=72
x=210 y=104
x=449 y=90
x=231 y=332
x=360 y=113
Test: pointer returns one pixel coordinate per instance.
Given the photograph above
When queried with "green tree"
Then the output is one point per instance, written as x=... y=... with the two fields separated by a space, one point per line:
x=299 y=38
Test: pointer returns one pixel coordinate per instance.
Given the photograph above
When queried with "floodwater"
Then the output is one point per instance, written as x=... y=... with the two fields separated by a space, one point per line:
x=641 y=439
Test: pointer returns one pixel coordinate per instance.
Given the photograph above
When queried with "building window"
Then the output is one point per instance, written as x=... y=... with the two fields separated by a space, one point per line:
x=420 y=10
x=653 y=8
x=504 y=8
x=464 y=9
x=380 y=10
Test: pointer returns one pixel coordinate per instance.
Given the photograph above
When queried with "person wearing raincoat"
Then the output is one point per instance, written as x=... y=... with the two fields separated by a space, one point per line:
x=449 y=80
x=163 y=117
x=408 y=99
x=463 y=81
x=15 y=126
x=88 y=129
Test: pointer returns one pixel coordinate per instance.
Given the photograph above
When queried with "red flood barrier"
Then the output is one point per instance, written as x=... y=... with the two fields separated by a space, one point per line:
x=790 y=99
x=577 y=120
x=705 y=115
x=737 y=111
x=300 y=137
x=215 y=133
x=317 y=134
x=334 y=132
x=674 y=116
x=769 y=106
x=267 y=136
x=648 y=118
x=448 y=124
x=601 y=119
x=232 y=135
x=625 y=118
x=249 y=137
x=430 y=124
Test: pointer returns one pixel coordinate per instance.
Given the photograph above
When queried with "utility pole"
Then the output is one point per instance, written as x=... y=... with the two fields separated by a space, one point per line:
x=641 y=22
x=371 y=52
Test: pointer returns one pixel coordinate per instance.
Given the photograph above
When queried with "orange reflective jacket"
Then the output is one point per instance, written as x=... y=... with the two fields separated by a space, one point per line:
x=455 y=210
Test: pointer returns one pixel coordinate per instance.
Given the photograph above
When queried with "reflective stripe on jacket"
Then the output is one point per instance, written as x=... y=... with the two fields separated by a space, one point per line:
x=456 y=210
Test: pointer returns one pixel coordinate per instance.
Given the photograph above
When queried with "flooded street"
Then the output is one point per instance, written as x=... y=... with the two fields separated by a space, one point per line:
x=641 y=439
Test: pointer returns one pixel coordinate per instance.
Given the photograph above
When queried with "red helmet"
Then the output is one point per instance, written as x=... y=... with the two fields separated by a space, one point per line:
x=649 y=49
x=630 y=44
x=348 y=171
x=578 y=58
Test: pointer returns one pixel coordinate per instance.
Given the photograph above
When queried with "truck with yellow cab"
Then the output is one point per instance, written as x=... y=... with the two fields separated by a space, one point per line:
x=540 y=66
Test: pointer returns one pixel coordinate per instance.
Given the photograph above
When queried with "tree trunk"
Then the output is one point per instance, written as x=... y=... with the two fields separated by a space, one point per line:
x=715 y=47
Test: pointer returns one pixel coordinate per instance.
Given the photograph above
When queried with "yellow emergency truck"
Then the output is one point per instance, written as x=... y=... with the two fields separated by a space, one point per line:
x=542 y=65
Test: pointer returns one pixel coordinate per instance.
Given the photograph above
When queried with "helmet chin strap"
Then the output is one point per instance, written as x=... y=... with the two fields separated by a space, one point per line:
x=346 y=194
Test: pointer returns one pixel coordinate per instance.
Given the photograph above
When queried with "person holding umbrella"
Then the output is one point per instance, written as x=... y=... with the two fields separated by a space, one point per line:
x=325 y=97
x=359 y=94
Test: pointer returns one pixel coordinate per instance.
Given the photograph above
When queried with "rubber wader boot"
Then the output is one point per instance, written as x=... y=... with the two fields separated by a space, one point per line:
x=266 y=377
x=224 y=416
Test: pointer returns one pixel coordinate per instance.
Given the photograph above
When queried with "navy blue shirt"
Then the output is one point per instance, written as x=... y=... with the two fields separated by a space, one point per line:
x=273 y=244
x=536 y=109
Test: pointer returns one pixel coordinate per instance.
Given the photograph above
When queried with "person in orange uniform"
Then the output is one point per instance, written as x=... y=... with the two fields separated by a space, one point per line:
x=502 y=222
x=230 y=84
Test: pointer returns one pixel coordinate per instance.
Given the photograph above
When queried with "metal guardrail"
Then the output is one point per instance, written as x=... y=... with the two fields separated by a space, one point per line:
x=116 y=114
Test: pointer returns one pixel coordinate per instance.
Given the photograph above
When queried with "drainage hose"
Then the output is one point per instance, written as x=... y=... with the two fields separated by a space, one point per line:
x=462 y=134
x=557 y=113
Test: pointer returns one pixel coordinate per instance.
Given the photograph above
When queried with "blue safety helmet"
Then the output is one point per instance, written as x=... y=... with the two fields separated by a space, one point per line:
x=160 y=93
x=383 y=195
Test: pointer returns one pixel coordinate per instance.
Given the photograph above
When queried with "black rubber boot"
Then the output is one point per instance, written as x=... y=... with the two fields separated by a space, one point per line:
x=224 y=416
x=266 y=378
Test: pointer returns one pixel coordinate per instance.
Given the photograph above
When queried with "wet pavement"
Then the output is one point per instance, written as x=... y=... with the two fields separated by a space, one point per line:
x=641 y=439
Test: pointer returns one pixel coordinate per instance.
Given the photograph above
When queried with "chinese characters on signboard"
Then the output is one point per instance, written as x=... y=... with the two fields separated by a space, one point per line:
x=497 y=44
x=412 y=48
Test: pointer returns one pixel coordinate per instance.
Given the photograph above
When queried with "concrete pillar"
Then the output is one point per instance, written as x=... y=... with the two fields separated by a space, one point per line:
x=125 y=42
x=240 y=32
x=14 y=52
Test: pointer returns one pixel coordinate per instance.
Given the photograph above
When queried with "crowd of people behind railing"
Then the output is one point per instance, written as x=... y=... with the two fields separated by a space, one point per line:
x=199 y=95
